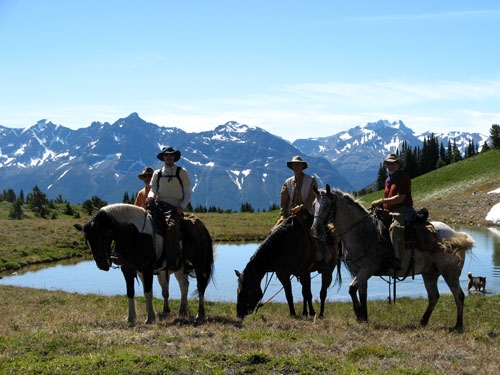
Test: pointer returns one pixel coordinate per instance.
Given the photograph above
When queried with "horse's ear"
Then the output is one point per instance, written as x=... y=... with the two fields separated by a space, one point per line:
x=327 y=189
x=238 y=273
x=78 y=226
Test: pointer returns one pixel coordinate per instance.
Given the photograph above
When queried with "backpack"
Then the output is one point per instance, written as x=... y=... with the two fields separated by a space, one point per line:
x=177 y=172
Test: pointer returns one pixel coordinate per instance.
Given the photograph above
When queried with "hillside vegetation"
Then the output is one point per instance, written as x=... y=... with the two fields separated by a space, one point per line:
x=456 y=194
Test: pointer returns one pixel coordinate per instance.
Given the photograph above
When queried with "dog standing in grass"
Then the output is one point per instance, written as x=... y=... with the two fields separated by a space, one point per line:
x=476 y=282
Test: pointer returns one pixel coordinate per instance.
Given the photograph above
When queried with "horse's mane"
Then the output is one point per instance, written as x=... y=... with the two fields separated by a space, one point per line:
x=350 y=199
x=123 y=211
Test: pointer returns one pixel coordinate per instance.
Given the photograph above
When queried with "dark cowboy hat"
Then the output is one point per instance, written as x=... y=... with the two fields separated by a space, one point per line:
x=146 y=172
x=296 y=160
x=169 y=150
x=393 y=158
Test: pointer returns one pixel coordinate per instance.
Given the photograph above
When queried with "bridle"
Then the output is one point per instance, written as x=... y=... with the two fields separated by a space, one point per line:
x=332 y=214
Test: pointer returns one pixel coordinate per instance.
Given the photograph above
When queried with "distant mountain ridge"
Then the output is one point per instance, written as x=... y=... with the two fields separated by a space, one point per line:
x=229 y=166
x=359 y=151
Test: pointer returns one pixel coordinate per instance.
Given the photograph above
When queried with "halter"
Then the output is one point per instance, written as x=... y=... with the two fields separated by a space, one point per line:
x=332 y=215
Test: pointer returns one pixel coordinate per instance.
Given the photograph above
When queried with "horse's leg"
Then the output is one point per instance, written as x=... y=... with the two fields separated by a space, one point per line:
x=183 y=281
x=452 y=278
x=147 y=281
x=164 y=281
x=326 y=280
x=130 y=274
x=287 y=286
x=363 y=297
x=359 y=285
x=305 y=280
x=430 y=282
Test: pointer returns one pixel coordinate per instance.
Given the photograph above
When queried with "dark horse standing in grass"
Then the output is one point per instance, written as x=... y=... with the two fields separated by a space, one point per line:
x=365 y=253
x=126 y=234
x=288 y=250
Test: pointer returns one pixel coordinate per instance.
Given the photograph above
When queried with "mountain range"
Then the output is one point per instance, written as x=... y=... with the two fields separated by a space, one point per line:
x=228 y=166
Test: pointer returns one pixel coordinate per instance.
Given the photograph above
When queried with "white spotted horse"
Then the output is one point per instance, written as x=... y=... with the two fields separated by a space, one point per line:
x=366 y=255
x=125 y=234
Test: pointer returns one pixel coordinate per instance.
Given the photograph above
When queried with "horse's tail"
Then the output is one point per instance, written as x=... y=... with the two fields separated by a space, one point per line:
x=338 y=277
x=209 y=255
x=451 y=241
x=460 y=241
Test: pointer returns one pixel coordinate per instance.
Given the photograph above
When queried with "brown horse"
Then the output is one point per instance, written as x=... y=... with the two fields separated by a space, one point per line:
x=365 y=254
x=125 y=234
x=288 y=250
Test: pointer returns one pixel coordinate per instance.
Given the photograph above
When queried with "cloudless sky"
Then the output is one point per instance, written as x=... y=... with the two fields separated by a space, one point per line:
x=298 y=69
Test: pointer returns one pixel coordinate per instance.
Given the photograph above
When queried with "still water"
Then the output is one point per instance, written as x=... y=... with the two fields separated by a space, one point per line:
x=84 y=277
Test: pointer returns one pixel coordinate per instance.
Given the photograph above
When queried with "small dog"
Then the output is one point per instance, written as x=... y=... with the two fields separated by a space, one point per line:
x=478 y=282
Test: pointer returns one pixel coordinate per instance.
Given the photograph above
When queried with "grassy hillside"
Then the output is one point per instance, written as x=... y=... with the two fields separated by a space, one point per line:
x=457 y=193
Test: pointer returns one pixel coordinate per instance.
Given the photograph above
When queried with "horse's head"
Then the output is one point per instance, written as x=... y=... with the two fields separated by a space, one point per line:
x=249 y=294
x=98 y=236
x=324 y=211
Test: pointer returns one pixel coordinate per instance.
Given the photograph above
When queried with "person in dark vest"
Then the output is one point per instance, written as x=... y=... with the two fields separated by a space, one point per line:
x=171 y=190
x=399 y=202
x=297 y=195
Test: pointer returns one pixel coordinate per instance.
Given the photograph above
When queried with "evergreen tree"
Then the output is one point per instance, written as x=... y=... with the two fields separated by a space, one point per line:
x=485 y=147
x=382 y=175
x=88 y=207
x=495 y=136
x=38 y=202
x=127 y=199
x=16 y=211
x=68 y=210
x=10 y=196
x=246 y=207
x=455 y=154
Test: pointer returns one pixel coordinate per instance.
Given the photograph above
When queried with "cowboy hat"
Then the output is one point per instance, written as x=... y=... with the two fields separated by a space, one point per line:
x=169 y=150
x=296 y=160
x=393 y=158
x=146 y=172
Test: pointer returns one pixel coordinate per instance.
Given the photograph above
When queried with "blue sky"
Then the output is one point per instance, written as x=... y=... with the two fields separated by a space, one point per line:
x=298 y=69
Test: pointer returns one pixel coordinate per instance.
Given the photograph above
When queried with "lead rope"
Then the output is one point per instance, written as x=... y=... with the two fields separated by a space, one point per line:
x=268 y=281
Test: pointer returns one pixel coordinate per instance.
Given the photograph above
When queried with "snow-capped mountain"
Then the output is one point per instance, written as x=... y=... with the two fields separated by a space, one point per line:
x=357 y=153
x=229 y=166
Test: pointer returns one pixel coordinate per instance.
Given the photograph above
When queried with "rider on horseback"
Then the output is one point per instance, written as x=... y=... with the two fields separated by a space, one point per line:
x=398 y=201
x=171 y=190
x=297 y=198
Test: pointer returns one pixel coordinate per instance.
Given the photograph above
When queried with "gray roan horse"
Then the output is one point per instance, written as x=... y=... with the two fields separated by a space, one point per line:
x=125 y=234
x=288 y=250
x=365 y=254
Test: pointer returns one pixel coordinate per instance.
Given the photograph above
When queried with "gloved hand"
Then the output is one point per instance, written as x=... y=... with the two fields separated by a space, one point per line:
x=280 y=220
x=295 y=210
x=378 y=203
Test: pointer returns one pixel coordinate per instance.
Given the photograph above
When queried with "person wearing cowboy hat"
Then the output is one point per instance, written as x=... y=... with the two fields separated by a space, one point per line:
x=399 y=202
x=142 y=195
x=171 y=192
x=297 y=194
x=170 y=184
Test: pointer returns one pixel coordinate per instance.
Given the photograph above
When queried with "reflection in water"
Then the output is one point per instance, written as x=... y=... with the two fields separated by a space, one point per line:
x=495 y=238
x=84 y=277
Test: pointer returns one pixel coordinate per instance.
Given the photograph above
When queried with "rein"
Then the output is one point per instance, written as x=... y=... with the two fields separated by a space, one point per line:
x=268 y=281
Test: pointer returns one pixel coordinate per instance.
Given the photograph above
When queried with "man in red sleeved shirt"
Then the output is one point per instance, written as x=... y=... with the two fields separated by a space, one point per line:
x=397 y=200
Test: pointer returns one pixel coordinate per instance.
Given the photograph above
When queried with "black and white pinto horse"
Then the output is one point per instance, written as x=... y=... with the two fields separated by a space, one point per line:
x=125 y=234
x=365 y=254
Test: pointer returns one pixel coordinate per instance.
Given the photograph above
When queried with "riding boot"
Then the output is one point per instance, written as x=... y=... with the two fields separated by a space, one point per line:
x=397 y=234
x=172 y=246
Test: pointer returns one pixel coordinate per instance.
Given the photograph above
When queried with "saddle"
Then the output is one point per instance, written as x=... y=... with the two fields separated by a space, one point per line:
x=419 y=232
